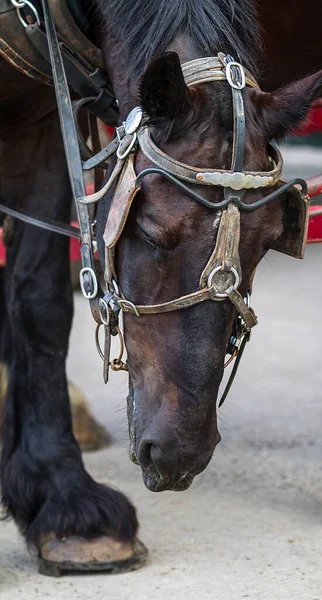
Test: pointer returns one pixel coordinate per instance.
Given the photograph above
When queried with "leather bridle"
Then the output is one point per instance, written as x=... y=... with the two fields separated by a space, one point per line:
x=221 y=276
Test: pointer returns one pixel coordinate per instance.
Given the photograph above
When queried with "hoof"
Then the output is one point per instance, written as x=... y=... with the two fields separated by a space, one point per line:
x=59 y=556
x=88 y=433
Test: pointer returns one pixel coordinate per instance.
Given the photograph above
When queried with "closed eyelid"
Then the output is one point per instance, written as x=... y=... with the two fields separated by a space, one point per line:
x=156 y=233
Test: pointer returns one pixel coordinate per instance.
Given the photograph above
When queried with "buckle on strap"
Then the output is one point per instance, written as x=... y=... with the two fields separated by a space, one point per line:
x=233 y=295
x=235 y=75
x=246 y=312
x=88 y=283
x=127 y=306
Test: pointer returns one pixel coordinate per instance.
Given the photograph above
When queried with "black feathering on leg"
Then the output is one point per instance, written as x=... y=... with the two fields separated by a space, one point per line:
x=71 y=503
x=44 y=485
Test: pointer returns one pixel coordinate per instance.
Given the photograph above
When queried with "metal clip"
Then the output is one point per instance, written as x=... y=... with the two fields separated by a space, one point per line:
x=235 y=75
x=92 y=283
x=127 y=142
x=104 y=355
x=133 y=120
x=21 y=4
x=117 y=364
x=128 y=306
x=107 y=351
x=104 y=311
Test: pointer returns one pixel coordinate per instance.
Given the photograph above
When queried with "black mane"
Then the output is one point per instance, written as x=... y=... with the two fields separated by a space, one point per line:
x=147 y=27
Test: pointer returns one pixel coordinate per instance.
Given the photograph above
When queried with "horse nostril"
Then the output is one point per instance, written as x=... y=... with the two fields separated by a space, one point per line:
x=159 y=460
x=144 y=456
x=152 y=456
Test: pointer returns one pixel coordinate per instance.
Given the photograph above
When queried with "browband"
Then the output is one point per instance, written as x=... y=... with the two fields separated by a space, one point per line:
x=221 y=177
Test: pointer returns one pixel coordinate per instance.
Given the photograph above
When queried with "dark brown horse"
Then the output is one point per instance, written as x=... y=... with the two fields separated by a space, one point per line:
x=175 y=375
x=175 y=360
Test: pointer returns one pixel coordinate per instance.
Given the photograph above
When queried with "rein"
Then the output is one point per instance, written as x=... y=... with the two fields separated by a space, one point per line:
x=222 y=274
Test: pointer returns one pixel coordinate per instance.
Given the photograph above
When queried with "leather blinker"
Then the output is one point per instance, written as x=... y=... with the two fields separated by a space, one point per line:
x=295 y=219
x=124 y=195
x=125 y=192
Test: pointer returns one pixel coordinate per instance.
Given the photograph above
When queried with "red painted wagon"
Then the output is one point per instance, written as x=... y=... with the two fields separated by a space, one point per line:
x=313 y=125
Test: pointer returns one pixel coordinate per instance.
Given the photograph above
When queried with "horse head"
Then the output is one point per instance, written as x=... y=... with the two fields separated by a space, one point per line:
x=168 y=248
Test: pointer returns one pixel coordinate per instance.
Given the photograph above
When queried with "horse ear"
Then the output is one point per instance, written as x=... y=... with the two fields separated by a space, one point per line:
x=163 y=92
x=279 y=112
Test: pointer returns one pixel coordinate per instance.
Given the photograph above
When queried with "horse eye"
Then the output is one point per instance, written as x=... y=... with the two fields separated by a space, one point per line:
x=150 y=241
x=155 y=236
x=147 y=238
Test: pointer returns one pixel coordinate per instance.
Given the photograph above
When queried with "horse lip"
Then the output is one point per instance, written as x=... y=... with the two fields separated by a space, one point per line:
x=183 y=483
x=155 y=483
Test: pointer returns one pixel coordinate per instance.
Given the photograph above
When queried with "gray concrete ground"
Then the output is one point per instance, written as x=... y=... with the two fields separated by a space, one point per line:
x=301 y=161
x=251 y=525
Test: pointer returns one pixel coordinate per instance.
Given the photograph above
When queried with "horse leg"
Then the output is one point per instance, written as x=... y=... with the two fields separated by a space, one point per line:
x=89 y=434
x=3 y=339
x=72 y=520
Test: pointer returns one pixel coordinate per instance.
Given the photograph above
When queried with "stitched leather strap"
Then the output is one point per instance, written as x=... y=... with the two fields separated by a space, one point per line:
x=73 y=159
x=80 y=74
x=246 y=312
x=53 y=226
x=177 y=304
x=226 y=251
x=207 y=70
x=198 y=175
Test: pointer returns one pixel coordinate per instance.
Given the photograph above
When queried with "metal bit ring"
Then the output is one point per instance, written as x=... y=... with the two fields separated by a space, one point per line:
x=211 y=276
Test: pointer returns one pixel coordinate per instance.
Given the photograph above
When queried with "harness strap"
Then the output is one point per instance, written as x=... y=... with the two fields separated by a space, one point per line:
x=104 y=154
x=53 y=226
x=235 y=368
x=192 y=299
x=226 y=252
x=221 y=177
x=245 y=311
x=81 y=76
x=15 y=48
x=183 y=302
x=236 y=77
x=74 y=30
x=73 y=159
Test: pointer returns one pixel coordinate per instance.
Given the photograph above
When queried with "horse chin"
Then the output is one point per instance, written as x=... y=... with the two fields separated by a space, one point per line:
x=155 y=483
